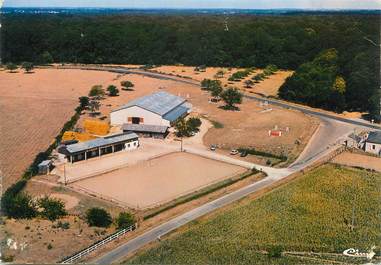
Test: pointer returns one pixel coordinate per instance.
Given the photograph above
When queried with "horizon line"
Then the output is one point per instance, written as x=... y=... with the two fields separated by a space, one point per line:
x=198 y=8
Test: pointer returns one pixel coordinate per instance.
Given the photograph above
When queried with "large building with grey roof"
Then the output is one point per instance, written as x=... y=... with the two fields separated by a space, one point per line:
x=158 y=109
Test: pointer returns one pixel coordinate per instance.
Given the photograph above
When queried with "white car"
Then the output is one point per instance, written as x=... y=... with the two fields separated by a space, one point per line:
x=234 y=152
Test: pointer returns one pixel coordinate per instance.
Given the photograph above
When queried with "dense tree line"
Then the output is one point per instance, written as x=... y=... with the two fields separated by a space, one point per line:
x=290 y=42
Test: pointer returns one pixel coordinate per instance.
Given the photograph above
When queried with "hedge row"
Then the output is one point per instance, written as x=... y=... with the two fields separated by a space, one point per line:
x=252 y=151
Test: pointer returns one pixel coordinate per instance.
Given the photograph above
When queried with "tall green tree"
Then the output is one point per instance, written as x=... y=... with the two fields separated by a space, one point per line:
x=232 y=96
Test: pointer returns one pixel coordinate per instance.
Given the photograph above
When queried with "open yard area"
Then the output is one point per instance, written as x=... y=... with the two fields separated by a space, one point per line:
x=359 y=160
x=312 y=214
x=159 y=180
x=34 y=108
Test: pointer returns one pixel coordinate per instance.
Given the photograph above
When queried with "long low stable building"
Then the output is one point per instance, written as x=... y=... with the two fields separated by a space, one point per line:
x=100 y=146
x=154 y=131
x=160 y=108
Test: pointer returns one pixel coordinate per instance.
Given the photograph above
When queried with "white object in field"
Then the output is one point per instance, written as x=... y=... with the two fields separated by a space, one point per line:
x=266 y=110
x=351 y=252
x=287 y=129
x=188 y=96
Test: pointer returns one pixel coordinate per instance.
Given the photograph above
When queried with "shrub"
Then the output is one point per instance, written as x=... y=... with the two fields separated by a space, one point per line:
x=127 y=85
x=52 y=208
x=275 y=252
x=96 y=91
x=49 y=246
x=98 y=217
x=11 y=67
x=125 y=220
x=15 y=204
x=112 y=91
x=22 y=207
x=187 y=127
x=83 y=102
x=231 y=96
x=27 y=66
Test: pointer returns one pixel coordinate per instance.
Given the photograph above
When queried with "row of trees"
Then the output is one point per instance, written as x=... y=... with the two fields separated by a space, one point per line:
x=286 y=41
x=320 y=83
x=20 y=205
x=27 y=66
x=231 y=96
x=99 y=217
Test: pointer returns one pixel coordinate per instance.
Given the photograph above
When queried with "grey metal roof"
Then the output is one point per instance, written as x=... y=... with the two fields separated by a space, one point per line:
x=374 y=137
x=100 y=142
x=45 y=163
x=176 y=113
x=158 y=102
x=145 y=128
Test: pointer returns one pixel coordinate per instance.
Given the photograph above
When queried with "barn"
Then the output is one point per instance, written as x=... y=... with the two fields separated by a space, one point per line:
x=160 y=109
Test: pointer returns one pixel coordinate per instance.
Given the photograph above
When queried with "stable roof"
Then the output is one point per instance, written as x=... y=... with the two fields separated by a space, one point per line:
x=145 y=128
x=374 y=137
x=176 y=113
x=45 y=163
x=159 y=102
x=101 y=142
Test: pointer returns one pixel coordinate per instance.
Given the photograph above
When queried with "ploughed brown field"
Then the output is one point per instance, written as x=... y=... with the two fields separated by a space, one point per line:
x=34 y=108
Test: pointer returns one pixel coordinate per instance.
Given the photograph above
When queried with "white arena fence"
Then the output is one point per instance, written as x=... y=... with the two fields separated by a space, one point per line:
x=93 y=247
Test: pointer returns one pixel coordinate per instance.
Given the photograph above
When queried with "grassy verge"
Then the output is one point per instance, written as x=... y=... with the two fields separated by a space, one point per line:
x=200 y=193
x=310 y=214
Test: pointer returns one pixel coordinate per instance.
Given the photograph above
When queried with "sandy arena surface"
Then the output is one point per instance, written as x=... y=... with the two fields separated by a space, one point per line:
x=358 y=160
x=34 y=107
x=159 y=180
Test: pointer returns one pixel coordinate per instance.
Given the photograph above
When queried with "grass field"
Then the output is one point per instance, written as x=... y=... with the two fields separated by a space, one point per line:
x=312 y=213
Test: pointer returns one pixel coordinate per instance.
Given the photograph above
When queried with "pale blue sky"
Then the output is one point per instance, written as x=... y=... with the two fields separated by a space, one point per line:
x=250 y=4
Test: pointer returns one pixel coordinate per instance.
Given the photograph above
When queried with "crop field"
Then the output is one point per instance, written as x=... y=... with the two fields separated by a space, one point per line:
x=34 y=107
x=312 y=213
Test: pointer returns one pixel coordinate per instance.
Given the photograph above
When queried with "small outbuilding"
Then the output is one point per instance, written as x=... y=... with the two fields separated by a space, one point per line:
x=373 y=143
x=44 y=167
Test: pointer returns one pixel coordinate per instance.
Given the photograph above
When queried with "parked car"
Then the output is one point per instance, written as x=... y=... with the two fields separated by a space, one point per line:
x=243 y=154
x=234 y=152
x=213 y=147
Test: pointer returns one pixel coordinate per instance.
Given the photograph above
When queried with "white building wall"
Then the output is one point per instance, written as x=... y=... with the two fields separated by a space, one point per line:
x=121 y=116
x=373 y=148
x=132 y=145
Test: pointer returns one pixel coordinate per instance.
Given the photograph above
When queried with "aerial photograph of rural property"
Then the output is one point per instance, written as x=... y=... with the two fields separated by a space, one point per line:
x=190 y=132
